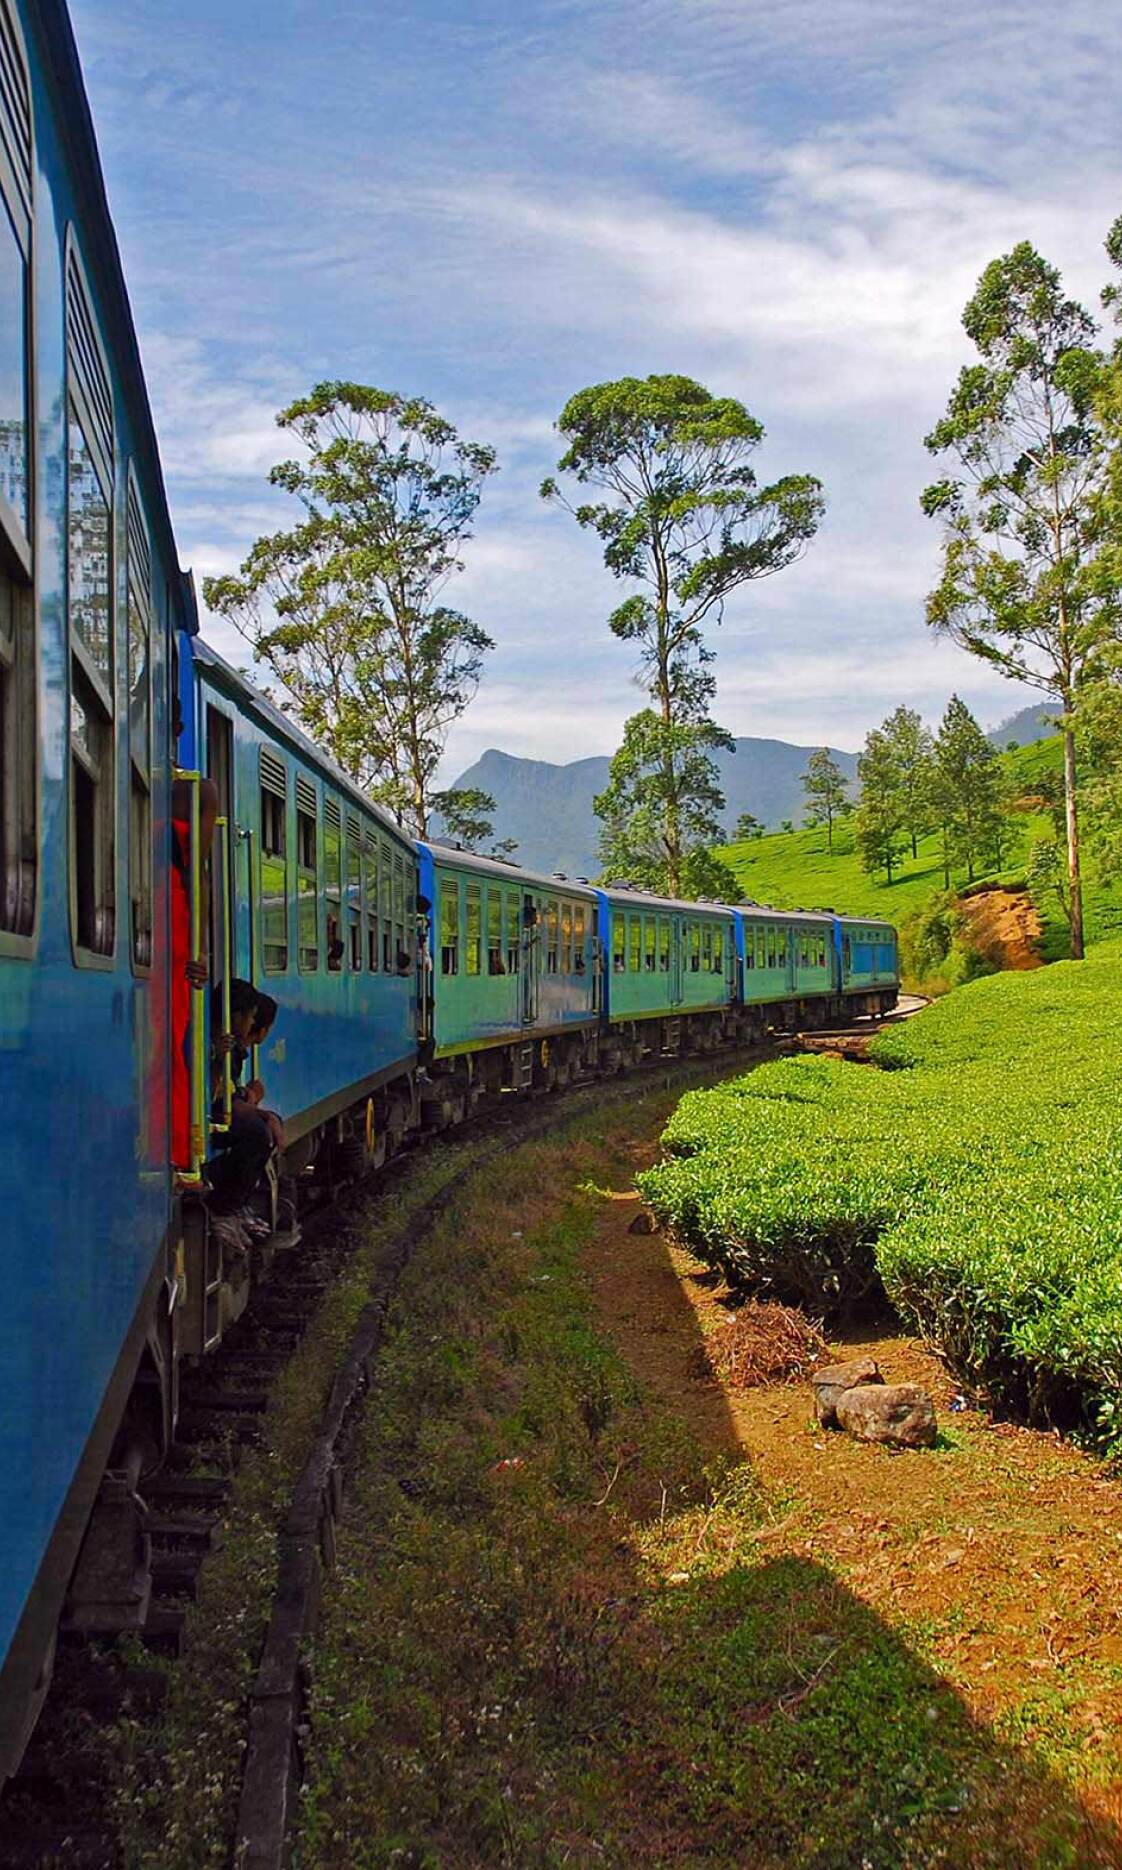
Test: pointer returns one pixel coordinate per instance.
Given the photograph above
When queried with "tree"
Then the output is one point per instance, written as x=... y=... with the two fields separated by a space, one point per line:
x=967 y=790
x=633 y=804
x=913 y=747
x=879 y=819
x=467 y=813
x=748 y=827
x=345 y=607
x=1023 y=581
x=680 y=515
x=827 y=794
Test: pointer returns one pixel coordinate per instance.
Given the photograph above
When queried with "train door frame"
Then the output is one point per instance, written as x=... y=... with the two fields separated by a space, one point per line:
x=531 y=952
x=677 y=975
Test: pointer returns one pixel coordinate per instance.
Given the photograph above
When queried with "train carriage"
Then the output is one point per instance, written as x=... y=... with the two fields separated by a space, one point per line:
x=512 y=975
x=667 y=960
x=91 y=601
x=322 y=887
x=868 y=963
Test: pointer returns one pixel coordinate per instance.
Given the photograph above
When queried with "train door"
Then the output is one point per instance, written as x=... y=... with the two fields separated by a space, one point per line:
x=220 y=769
x=677 y=959
x=531 y=959
x=731 y=992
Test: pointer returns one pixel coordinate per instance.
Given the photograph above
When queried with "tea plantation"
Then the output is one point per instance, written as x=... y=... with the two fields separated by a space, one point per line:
x=977 y=1179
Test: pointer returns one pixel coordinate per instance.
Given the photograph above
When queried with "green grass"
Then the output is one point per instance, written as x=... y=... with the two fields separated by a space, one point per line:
x=978 y=1182
x=795 y=870
x=558 y=1635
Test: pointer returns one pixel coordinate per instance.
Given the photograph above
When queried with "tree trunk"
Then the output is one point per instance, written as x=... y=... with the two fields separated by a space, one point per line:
x=915 y=851
x=1075 y=886
x=830 y=832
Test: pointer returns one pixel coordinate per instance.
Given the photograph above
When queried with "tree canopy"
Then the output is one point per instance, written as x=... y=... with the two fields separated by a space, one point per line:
x=346 y=607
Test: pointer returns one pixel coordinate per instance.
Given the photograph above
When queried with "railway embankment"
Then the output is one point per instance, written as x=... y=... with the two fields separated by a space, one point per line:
x=595 y=1604
x=974 y=1182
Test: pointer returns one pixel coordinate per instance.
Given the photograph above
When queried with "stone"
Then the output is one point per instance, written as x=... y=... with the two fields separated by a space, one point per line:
x=644 y=1223
x=901 y=1415
x=834 y=1379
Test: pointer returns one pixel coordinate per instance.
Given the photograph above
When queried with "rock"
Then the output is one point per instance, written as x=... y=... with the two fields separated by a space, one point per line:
x=643 y=1223
x=834 y=1379
x=900 y=1414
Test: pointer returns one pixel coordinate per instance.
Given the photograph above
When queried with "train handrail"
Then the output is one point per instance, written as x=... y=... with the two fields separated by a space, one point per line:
x=197 y=1024
x=222 y=842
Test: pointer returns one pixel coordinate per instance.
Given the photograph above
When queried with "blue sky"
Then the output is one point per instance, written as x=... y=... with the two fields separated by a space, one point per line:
x=494 y=204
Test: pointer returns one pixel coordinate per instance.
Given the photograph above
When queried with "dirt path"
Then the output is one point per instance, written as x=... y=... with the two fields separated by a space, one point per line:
x=1000 y=1550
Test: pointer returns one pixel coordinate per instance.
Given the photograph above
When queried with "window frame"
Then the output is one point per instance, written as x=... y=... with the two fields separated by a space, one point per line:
x=372 y=934
x=473 y=941
x=307 y=875
x=493 y=926
x=19 y=561
x=333 y=890
x=266 y=853
x=354 y=920
x=78 y=409
x=512 y=924
x=449 y=892
x=135 y=516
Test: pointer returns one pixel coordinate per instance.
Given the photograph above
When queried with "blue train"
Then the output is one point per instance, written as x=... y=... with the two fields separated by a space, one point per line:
x=413 y=981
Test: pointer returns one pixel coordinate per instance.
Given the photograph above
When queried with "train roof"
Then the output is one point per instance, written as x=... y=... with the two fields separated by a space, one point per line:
x=505 y=872
x=48 y=22
x=279 y=722
x=788 y=915
x=624 y=894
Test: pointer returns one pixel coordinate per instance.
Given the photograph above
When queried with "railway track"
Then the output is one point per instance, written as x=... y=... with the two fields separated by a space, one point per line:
x=54 y=1812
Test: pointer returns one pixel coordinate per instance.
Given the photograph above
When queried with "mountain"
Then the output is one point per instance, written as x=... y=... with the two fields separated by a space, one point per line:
x=1026 y=726
x=548 y=811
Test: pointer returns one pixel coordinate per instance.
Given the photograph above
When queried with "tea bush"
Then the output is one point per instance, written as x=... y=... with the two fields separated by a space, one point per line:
x=978 y=1179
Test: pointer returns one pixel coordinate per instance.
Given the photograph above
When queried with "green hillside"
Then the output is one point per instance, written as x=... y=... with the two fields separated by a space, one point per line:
x=794 y=870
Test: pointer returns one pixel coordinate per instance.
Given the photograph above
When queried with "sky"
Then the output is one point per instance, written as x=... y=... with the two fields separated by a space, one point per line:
x=494 y=204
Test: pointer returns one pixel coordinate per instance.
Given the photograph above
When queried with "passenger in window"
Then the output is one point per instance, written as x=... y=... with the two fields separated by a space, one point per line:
x=186 y=973
x=254 y=1092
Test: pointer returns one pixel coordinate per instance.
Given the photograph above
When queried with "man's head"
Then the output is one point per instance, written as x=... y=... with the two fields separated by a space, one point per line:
x=266 y=1013
x=243 y=1008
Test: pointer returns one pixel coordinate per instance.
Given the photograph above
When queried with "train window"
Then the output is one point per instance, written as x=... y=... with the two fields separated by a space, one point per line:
x=634 y=944
x=718 y=950
x=403 y=957
x=89 y=538
x=474 y=930
x=370 y=896
x=650 y=943
x=619 y=942
x=19 y=834
x=566 y=938
x=695 y=948
x=663 y=946
x=307 y=878
x=821 y=951
x=274 y=863
x=385 y=898
x=781 y=947
x=707 y=947
x=449 y=926
x=847 y=952
x=333 y=882
x=579 y=948
x=354 y=892
x=513 y=933
x=139 y=603
x=495 y=962
x=749 y=948
x=552 y=936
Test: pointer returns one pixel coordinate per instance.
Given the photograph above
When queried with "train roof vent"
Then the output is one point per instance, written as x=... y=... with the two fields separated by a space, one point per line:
x=274 y=775
x=562 y=876
x=15 y=103
x=88 y=370
x=305 y=796
x=580 y=879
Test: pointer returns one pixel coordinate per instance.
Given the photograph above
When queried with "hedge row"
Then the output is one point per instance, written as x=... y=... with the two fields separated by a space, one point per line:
x=979 y=1182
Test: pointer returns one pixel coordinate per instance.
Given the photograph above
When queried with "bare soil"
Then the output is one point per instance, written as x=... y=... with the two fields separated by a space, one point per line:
x=1004 y=927
x=1000 y=1551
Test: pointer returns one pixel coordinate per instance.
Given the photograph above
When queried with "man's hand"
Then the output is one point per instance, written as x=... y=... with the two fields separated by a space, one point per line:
x=198 y=973
x=254 y=1092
